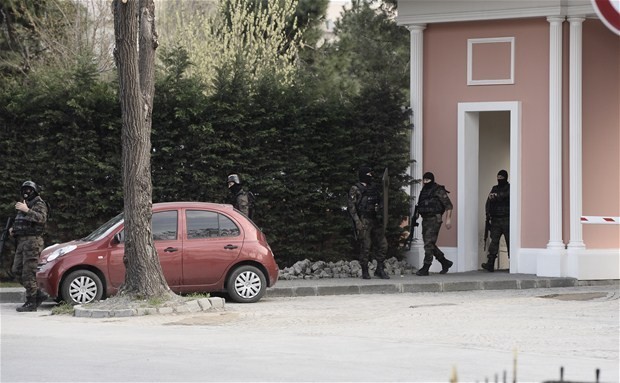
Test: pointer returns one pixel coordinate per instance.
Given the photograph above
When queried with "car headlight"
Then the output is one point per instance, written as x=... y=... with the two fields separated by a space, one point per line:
x=60 y=252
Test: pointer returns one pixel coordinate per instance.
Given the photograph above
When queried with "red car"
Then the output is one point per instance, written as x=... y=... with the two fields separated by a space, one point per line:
x=202 y=247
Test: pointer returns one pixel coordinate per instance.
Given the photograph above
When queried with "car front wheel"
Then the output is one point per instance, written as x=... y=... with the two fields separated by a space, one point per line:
x=246 y=284
x=81 y=286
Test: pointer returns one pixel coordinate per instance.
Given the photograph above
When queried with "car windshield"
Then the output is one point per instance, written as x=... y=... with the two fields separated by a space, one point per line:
x=104 y=229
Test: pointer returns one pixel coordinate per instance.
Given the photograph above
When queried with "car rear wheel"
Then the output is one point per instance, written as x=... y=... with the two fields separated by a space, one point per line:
x=246 y=284
x=81 y=286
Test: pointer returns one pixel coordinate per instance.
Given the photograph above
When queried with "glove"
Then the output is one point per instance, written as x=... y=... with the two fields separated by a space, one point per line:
x=359 y=226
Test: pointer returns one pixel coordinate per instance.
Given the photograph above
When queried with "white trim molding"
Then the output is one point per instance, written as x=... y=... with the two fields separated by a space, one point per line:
x=467 y=160
x=470 y=61
x=447 y=11
x=593 y=264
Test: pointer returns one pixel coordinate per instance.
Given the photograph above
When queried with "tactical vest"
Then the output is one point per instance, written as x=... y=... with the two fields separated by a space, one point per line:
x=23 y=226
x=369 y=203
x=500 y=208
x=429 y=203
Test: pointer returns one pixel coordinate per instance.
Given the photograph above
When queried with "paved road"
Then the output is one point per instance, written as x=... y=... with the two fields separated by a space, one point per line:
x=416 y=337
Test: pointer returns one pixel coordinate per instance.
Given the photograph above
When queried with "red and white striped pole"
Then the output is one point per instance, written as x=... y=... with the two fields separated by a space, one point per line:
x=600 y=220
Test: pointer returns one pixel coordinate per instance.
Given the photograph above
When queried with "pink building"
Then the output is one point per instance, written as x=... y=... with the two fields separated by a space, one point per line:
x=532 y=87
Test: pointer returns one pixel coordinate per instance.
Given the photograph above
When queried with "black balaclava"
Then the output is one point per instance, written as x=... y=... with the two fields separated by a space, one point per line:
x=234 y=189
x=428 y=176
x=505 y=175
x=363 y=174
x=29 y=190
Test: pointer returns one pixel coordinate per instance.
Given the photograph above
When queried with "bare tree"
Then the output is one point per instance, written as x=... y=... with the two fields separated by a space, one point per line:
x=58 y=33
x=136 y=42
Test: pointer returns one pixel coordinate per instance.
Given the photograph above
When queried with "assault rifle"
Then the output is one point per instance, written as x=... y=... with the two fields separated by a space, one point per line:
x=487 y=230
x=352 y=223
x=414 y=223
x=5 y=233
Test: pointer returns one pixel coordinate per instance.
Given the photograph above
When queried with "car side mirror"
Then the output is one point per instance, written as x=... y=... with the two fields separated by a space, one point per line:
x=118 y=238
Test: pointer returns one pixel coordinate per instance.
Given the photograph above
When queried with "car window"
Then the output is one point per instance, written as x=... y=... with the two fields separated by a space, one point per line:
x=104 y=229
x=227 y=227
x=165 y=225
x=209 y=224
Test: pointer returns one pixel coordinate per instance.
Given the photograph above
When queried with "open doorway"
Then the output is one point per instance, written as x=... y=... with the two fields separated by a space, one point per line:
x=489 y=139
x=494 y=155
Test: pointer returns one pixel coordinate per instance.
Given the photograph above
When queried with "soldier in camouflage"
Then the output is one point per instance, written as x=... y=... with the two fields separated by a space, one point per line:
x=432 y=204
x=364 y=207
x=498 y=213
x=240 y=198
x=28 y=229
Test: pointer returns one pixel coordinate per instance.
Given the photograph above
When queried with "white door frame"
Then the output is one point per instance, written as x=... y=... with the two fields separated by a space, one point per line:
x=468 y=150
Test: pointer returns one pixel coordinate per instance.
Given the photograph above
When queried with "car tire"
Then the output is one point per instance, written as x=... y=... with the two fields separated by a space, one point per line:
x=80 y=287
x=246 y=284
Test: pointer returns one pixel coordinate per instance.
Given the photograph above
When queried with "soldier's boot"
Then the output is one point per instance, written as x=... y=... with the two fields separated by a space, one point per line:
x=40 y=298
x=30 y=305
x=446 y=264
x=490 y=264
x=365 y=274
x=381 y=271
x=424 y=270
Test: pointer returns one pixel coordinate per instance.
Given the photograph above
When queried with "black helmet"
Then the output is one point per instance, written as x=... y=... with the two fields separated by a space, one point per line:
x=233 y=178
x=32 y=186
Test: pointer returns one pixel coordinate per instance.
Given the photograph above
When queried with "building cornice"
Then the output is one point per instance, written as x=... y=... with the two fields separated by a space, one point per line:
x=428 y=13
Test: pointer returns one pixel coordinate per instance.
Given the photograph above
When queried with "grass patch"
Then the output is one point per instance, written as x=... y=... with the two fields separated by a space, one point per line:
x=193 y=296
x=63 y=308
x=10 y=284
x=156 y=301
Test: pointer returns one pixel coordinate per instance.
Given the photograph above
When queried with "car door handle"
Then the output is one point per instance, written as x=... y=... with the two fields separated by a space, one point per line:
x=170 y=249
x=230 y=247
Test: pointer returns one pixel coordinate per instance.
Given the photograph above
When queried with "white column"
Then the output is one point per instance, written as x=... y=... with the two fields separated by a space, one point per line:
x=555 y=133
x=575 y=144
x=416 y=94
x=416 y=70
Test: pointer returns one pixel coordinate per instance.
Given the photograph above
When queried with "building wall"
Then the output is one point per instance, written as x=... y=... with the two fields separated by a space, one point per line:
x=445 y=85
x=601 y=133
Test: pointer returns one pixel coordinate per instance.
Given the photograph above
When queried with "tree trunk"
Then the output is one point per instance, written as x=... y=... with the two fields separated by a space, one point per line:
x=134 y=23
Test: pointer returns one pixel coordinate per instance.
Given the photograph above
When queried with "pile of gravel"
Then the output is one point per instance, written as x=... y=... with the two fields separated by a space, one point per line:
x=307 y=269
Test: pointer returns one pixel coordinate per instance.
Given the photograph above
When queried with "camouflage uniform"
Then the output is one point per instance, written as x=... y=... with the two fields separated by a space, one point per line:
x=432 y=203
x=498 y=212
x=371 y=233
x=28 y=230
x=240 y=199
x=431 y=221
x=364 y=205
x=241 y=202
x=430 y=232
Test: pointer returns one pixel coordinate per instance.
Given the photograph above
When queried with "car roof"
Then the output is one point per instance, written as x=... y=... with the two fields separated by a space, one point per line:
x=191 y=204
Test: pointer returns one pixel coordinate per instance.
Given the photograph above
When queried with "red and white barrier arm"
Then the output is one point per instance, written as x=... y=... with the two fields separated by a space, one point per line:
x=600 y=220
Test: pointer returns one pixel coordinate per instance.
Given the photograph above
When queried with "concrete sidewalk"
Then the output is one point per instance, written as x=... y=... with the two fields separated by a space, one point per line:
x=467 y=281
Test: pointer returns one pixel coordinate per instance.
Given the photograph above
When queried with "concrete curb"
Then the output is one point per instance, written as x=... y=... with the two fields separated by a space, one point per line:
x=357 y=286
x=12 y=295
x=203 y=304
x=434 y=283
